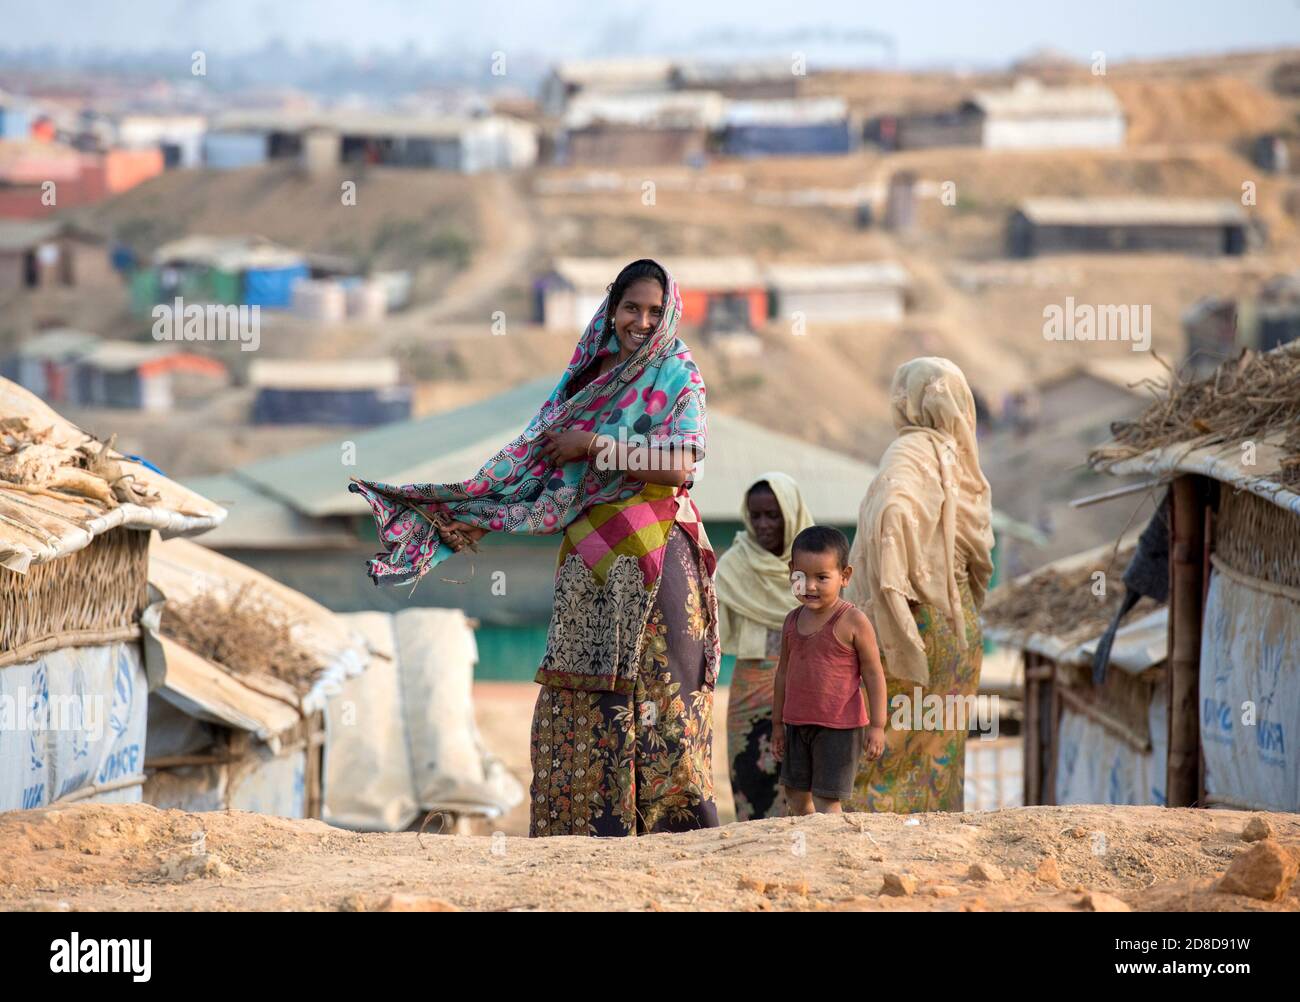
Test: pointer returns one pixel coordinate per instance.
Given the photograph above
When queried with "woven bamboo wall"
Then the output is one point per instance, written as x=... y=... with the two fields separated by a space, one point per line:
x=102 y=587
x=1258 y=538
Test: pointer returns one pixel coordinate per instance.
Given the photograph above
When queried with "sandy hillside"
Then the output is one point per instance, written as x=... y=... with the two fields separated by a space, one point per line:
x=131 y=857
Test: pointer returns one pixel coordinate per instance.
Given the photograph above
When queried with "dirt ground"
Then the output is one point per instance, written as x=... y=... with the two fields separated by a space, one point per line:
x=137 y=857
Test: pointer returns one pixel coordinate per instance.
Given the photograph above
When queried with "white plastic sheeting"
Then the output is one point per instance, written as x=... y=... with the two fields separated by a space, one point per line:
x=1094 y=766
x=1250 y=665
x=401 y=739
x=71 y=720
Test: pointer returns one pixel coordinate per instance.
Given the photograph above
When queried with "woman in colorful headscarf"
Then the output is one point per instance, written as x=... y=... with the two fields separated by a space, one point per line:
x=923 y=552
x=754 y=597
x=622 y=731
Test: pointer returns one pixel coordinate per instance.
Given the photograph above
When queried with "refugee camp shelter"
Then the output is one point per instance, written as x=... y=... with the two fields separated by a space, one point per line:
x=45 y=362
x=1234 y=578
x=355 y=392
x=1278 y=152
x=571 y=78
x=1124 y=225
x=317 y=140
x=1086 y=743
x=61 y=365
x=138 y=375
x=246 y=271
x=1031 y=116
x=740 y=80
x=815 y=126
x=179 y=137
x=293 y=516
x=850 y=292
x=1026 y=115
x=639 y=129
x=239 y=721
x=43 y=254
x=77 y=654
x=401 y=740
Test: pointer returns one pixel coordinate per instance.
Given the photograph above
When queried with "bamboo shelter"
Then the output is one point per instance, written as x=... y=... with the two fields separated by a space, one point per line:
x=239 y=721
x=1229 y=445
x=1086 y=741
x=76 y=652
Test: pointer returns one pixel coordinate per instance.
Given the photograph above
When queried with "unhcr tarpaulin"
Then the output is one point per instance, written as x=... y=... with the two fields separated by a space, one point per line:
x=72 y=726
x=1250 y=692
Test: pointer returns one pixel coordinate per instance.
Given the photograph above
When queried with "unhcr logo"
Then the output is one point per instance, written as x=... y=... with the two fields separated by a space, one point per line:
x=1084 y=322
x=177 y=321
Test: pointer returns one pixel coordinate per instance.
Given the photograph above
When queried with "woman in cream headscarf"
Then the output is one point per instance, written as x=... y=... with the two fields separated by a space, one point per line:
x=754 y=597
x=923 y=554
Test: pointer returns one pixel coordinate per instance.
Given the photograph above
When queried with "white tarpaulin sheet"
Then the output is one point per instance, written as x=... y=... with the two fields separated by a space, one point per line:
x=1094 y=766
x=401 y=739
x=1250 y=694
x=74 y=718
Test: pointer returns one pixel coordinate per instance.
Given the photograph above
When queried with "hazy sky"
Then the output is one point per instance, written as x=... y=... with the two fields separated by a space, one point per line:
x=963 y=33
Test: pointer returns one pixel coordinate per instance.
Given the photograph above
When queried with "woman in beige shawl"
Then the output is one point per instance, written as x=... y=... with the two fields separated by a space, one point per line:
x=923 y=555
x=754 y=596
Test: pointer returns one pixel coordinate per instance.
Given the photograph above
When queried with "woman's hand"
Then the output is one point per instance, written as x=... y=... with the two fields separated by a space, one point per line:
x=459 y=535
x=565 y=446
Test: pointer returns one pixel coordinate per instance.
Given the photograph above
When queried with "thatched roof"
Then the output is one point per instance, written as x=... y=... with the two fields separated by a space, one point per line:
x=1203 y=426
x=60 y=488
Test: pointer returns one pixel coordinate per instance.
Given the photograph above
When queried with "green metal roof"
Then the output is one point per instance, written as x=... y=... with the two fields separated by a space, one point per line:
x=452 y=445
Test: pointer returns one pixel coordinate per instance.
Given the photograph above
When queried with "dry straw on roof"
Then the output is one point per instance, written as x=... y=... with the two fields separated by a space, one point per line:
x=250 y=633
x=1247 y=397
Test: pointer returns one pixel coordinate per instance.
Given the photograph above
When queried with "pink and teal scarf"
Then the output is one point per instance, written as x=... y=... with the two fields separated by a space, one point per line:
x=656 y=395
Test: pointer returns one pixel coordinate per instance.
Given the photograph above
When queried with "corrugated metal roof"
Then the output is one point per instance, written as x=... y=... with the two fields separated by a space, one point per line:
x=1029 y=99
x=593 y=274
x=836 y=276
x=260 y=521
x=37 y=528
x=1132 y=211
x=408 y=452
x=798 y=111
x=443 y=447
x=328 y=374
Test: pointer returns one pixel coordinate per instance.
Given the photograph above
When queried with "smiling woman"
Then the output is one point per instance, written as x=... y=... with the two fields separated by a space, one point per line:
x=623 y=729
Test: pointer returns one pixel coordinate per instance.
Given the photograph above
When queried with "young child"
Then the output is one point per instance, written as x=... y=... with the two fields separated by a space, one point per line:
x=828 y=652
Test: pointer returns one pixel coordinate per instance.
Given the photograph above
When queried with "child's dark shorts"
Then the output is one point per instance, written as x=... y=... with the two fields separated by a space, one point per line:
x=823 y=760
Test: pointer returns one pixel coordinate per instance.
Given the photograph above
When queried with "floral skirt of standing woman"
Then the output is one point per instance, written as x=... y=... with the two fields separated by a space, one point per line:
x=925 y=770
x=754 y=769
x=610 y=764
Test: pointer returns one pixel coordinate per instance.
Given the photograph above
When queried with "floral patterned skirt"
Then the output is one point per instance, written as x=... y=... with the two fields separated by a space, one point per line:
x=606 y=763
x=754 y=769
x=925 y=770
